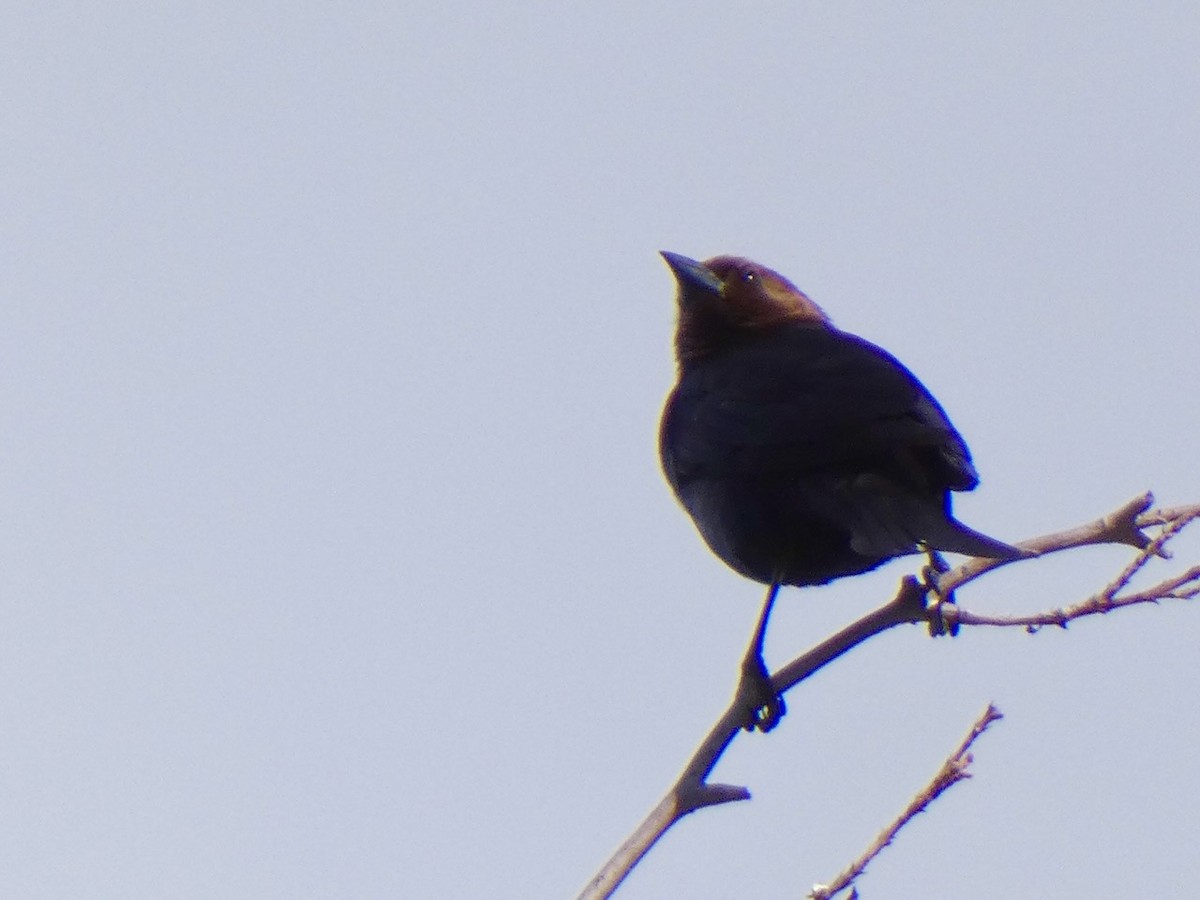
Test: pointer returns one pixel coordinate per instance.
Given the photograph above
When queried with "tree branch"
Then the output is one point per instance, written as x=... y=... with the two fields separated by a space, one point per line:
x=953 y=770
x=1125 y=525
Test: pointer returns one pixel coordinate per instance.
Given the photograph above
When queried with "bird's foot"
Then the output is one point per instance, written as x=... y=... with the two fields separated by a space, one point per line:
x=756 y=695
x=941 y=605
x=762 y=705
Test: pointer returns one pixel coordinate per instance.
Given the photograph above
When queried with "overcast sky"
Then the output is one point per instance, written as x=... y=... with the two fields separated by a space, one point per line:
x=335 y=556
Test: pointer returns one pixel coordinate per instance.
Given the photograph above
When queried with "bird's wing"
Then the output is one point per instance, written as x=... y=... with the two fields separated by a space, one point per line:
x=811 y=399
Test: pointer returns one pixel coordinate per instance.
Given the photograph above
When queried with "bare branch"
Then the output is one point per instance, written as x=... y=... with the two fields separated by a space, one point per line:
x=953 y=770
x=1125 y=525
x=1168 y=515
x=1183 y=586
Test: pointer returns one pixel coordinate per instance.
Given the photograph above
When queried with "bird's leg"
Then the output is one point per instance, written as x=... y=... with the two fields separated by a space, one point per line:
x=937 y=620
x=755 y=692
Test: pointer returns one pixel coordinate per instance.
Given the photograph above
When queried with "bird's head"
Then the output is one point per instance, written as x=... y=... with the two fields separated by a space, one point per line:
x=727 y=296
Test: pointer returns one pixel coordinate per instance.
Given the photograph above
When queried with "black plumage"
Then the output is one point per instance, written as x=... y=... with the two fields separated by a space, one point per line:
x=803 y=453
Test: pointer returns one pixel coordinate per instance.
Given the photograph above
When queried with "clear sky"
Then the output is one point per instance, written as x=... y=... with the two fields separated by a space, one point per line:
x=335 y=557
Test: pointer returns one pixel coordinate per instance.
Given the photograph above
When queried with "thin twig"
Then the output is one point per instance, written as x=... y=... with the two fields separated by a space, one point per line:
x=1184 y=586
x=953 y=770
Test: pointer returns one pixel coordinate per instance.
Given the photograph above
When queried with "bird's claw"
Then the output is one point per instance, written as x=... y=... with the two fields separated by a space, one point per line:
x=937 y=564
x=756 y=695
x=941 y=604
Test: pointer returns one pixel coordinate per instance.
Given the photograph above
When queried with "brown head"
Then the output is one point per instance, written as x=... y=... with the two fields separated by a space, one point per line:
x=727 y=296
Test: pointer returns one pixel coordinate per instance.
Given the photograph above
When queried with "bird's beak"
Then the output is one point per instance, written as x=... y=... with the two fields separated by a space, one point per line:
x=692 y=275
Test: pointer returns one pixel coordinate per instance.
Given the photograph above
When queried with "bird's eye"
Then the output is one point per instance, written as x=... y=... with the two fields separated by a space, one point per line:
x=748 y=277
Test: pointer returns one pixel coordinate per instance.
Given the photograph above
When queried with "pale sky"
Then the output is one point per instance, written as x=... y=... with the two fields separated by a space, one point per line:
x=335 y=556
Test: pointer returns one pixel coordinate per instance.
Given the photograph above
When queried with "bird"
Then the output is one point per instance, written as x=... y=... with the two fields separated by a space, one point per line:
x=803 y=453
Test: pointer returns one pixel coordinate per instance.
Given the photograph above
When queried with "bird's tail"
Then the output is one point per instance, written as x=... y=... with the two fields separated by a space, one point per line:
x=953 y=536
x=888 y=521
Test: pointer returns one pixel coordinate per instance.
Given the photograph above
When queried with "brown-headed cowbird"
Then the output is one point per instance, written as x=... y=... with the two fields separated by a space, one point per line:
x=803 y=453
